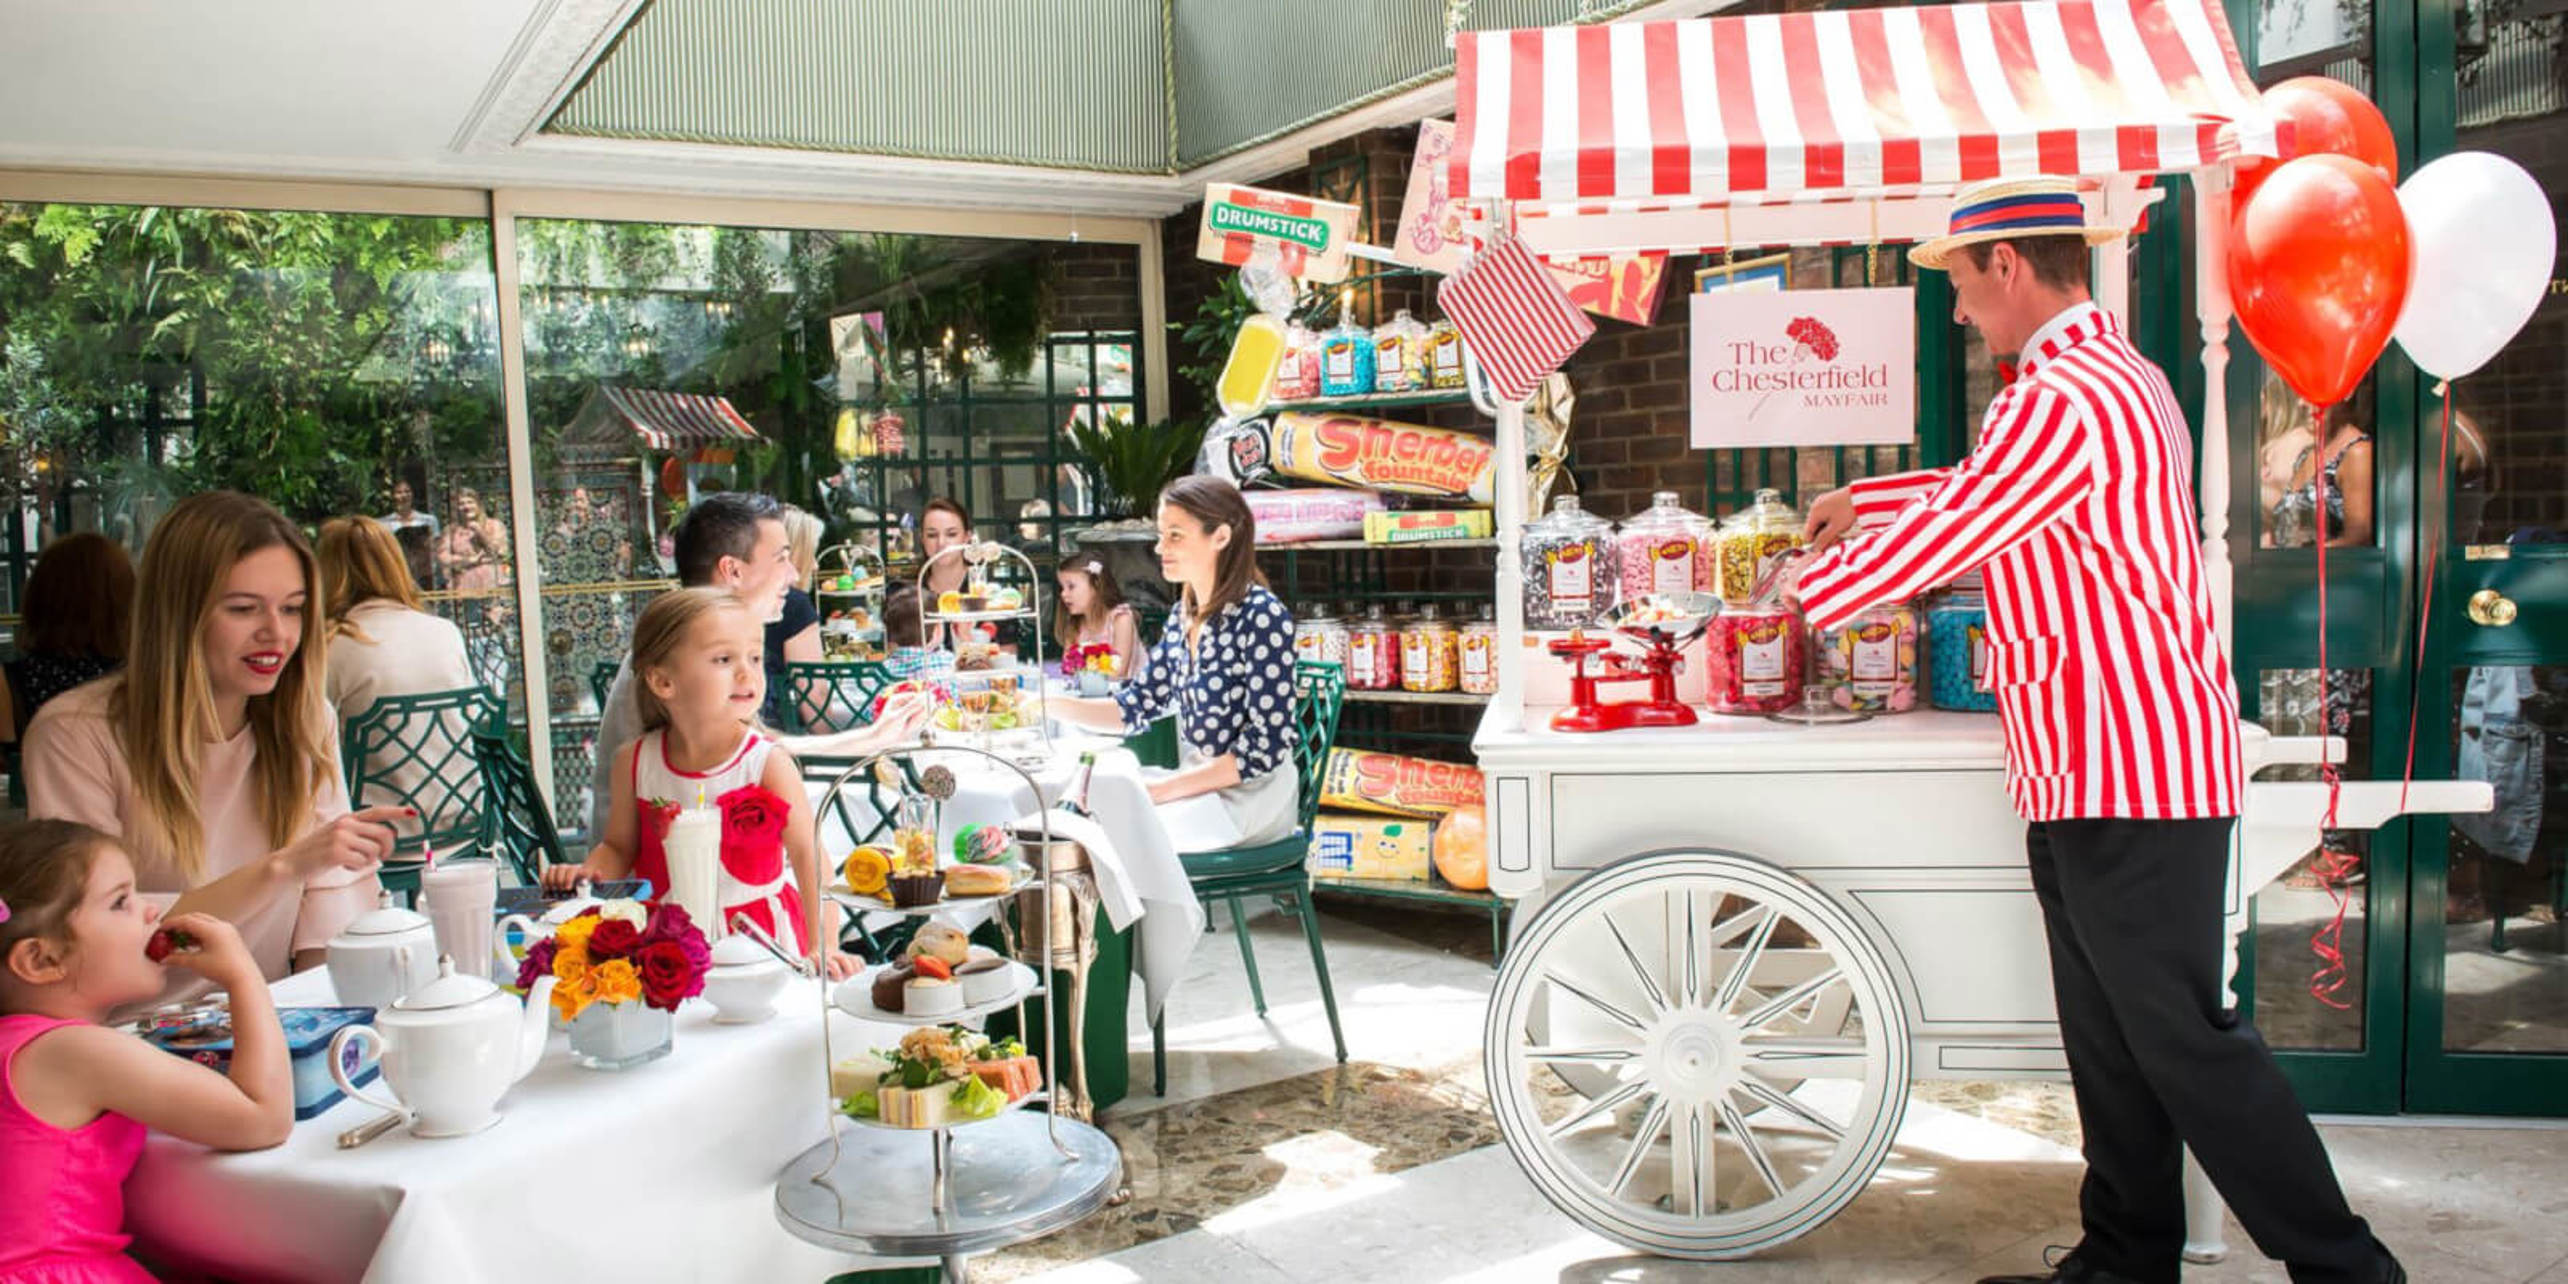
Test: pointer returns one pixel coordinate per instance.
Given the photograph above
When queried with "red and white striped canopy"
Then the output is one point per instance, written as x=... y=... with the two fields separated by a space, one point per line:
x=1769 y=107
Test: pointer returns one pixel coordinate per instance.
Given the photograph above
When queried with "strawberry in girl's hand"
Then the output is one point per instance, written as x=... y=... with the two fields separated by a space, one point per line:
x=165 y=942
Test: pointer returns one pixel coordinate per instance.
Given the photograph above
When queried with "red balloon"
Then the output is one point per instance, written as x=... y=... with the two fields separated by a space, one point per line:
x=2319 y=261
x=2329 y=118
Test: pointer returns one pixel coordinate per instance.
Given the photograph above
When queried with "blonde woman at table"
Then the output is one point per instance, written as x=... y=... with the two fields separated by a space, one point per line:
x=383 y=642
x=698 y=654
x=76 y=1094
x=1224 y=666
x=212 y=756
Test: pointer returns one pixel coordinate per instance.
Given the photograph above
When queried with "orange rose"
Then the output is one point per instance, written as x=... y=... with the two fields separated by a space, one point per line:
x=572 y=997
x=574 y=935
x=570 y=963
x=617 y=981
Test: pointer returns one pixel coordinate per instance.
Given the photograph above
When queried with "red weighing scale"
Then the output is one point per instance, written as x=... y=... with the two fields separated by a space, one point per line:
x=1658 y=627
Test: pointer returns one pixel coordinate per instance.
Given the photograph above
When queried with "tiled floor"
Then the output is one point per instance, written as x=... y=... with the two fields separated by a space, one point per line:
x=1962 y=1195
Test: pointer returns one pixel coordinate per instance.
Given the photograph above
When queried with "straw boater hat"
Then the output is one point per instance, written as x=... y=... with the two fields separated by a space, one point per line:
x=2007 y=209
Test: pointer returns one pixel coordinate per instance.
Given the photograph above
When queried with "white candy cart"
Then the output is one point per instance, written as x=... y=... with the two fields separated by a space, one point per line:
x=1738 y=942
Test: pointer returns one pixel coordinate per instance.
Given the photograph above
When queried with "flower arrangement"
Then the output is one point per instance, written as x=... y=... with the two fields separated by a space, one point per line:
x=619 y=952
x=1095 y=657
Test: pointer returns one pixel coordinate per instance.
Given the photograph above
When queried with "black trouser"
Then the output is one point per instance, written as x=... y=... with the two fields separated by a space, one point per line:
x=2157 y=1058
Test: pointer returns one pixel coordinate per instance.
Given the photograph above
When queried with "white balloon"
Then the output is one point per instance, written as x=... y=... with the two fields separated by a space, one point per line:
x=2485 y=240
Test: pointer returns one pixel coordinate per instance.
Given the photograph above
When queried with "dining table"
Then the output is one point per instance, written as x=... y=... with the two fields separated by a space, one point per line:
x=664 y=1171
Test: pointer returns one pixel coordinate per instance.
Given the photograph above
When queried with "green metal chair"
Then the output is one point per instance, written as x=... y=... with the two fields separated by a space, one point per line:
x=417 y=751
x=1275 y=869
x=602 y=682
x=519 y=822
x=831 y=695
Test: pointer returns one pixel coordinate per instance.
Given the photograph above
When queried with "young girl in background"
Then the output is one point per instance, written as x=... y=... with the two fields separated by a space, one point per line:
x=1093 y=613
x=697 y=654
x=77 y=1095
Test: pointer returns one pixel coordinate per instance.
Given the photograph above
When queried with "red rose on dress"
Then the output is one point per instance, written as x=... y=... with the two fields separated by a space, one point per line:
x=669 y=976
x=613 y=939
x=753 y=813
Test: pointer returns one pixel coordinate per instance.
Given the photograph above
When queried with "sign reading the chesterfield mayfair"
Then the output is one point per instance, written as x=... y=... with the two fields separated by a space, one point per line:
x=1295 y=235
x=1804 y=368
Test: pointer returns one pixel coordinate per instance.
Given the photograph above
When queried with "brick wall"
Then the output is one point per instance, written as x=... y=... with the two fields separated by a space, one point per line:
x=1095 y=287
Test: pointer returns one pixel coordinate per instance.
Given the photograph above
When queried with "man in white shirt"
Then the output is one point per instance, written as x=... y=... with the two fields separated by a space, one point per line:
x=737 y=541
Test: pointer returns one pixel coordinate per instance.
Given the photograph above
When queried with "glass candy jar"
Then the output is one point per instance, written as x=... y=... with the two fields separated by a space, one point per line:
x=1478 y=654
x=1957 y=651
x=1752 y=540
x=1429 y=653
x=1759 y=658
x=1373 y=652
x=1869 y=664
x=1569 y=566
x=1664 y=548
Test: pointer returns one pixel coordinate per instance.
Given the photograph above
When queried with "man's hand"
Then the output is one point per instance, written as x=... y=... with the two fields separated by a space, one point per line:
x=1832 y=518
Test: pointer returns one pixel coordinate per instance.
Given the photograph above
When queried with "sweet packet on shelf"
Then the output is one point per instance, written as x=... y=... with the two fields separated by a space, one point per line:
x=1393 y=784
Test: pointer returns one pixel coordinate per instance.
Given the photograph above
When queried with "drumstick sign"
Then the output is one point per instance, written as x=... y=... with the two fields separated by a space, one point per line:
x=1294 y=235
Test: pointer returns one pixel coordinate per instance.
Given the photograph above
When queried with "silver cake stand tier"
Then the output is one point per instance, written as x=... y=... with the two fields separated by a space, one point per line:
x=946 y=1194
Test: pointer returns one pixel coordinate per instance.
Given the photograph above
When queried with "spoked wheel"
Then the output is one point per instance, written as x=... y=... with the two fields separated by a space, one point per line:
x=1696 y=1054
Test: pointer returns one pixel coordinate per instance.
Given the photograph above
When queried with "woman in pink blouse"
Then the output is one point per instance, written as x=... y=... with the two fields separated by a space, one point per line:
x=213 y=755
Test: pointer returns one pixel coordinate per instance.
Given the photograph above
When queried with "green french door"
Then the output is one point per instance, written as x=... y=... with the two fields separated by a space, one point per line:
x=2487 y=1021
x=2423 y=966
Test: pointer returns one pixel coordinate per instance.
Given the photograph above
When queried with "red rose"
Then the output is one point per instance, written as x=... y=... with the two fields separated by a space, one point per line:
x=668 y=975
x=613 y=939
x=753 y=814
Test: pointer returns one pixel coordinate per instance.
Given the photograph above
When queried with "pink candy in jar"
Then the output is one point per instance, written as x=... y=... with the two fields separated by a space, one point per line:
x=1373 y=653
x=1665 y=548
x=1758 y=658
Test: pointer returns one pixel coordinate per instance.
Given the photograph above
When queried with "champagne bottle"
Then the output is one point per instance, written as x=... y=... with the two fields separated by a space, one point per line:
x=1075 y=801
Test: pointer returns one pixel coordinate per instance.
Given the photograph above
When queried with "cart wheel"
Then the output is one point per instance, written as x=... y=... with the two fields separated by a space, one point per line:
x=1696 y=1054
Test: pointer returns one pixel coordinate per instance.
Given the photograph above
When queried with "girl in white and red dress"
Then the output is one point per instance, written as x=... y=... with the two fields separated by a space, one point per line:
x=700 y=658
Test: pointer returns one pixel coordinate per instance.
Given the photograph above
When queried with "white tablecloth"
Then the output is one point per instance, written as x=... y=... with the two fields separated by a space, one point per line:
x=663 y=1172
x=1141 y=883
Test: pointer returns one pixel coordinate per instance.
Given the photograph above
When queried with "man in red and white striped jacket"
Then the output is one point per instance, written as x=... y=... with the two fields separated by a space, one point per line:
x=2121 y=721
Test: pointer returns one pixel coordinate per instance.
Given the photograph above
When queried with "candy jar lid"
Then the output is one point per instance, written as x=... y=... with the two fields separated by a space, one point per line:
x=1567 y=517
x=1769 y=512
x=1428 y=614
x=1488 y=613
x=1665 y=513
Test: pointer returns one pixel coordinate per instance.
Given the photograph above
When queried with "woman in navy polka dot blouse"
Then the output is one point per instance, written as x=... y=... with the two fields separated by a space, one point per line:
x=1224 y=666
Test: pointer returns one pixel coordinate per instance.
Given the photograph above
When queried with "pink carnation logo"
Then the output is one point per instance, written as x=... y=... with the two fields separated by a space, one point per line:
x=1810 y=334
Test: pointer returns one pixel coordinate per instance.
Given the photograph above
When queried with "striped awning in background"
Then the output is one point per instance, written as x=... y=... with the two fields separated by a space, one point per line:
x=665 y=421
x=1853 y=101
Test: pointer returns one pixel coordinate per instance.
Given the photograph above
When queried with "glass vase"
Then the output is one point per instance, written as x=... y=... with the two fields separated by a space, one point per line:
x=620 y=1036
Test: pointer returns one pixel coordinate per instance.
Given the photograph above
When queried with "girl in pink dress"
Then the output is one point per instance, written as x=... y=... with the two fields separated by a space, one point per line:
x=77 y=940
x=701 y=663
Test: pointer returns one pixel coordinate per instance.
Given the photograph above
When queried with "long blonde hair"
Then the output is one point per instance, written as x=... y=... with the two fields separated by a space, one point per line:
x=802 y=535
x=658 y=635
x=361 y=561
x=163 y=706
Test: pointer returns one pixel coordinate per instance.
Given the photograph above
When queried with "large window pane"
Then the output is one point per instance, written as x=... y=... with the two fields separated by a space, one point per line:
x=334 y=364
x=856 y=376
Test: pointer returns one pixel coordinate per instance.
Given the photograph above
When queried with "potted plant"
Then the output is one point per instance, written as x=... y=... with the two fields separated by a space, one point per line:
x=1132 y=464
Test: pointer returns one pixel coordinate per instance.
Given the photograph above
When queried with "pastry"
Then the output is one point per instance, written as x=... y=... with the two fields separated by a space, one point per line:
x=983 y=845
x=911 y=890
x=1006 y=599
x=926 y=996
x=974 y=602
x=942 y=942
x=887 y=991
x=977 y=880
x=865 y=870
x=985 y=981
x=949 y=602
x=1019 y=1076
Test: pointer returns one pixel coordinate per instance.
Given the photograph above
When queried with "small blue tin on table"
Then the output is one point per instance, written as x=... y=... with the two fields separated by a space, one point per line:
x=1957 y=651
x=205 y=1037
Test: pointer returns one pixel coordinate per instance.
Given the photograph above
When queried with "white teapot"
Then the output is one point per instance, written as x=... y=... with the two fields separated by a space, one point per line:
x=386 y=953
x=451 y=1050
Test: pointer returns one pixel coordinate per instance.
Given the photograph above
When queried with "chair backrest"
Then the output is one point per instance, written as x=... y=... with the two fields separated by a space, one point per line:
x=519 y=821
x=831 y=695
x=602 y=682
x=417 y=751
x=1319 y=691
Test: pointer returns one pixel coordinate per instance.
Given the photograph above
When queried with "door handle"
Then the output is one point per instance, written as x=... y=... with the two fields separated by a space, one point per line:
x=2491 y=609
